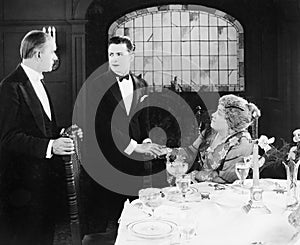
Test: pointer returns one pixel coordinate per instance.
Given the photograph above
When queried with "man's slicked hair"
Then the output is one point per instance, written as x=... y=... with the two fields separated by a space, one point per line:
x=33 y=41
x=122 y=39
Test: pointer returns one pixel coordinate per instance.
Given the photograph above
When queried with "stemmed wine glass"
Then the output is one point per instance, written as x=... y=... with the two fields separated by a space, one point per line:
x=175 y=169
x=242 y=171
x=169 y=171
x=151 y=197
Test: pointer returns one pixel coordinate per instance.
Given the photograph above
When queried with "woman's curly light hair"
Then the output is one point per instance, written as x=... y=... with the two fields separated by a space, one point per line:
x=239 y=113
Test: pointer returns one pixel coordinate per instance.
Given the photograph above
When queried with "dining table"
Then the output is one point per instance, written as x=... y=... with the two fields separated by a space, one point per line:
x=210 y=214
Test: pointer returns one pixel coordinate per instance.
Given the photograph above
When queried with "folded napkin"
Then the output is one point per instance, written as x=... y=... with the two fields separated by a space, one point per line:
x=132 y=211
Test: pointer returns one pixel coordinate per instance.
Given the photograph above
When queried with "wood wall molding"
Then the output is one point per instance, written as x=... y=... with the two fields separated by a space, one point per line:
x=78 y=56
x=81 y=8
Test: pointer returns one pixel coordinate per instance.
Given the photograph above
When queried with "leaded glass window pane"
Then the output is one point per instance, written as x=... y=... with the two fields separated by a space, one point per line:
x=176 y=63
x=203 y=48
x=138 y=22
x=148 y=63
x=223 y=62
x=195 y=48
x=185 y=48
x=157 y=34
x=176 y=48
x=166 y=19
x=157 y=79
x=147 y=20
x=175 y=19
x=204 y=33
x=166 y=48
x=166 y=62
x=223 y=77
x=176 y=34
x=138 y=63
x=195 y=65
x=213 y=33
x=167 y=33
x=157 y=20
x=223 y=48
x=196 y=45
x=157 y=46
x=185 y=19
x=204 y=62
x=204 y=19
x=186 y=64
x=148 y=49
x=195 y=33
x=157 y=63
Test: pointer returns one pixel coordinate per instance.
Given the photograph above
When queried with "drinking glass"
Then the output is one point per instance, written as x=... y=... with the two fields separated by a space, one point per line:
x=169 y=172
x=183 y=184
x=188 y=225
x=175 y=169
x=151 y=197
x=242 y=171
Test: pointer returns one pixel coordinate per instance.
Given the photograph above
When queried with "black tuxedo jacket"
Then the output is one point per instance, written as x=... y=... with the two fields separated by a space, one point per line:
x=114 y=128
x=25 y=172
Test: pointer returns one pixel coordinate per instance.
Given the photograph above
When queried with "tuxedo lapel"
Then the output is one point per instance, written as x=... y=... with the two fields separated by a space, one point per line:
x=32 y=101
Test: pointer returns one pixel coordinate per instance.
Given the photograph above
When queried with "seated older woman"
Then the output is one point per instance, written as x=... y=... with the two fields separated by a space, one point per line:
x=226 y=142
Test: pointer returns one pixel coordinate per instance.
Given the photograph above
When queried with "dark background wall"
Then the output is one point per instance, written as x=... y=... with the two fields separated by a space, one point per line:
x=272 y=48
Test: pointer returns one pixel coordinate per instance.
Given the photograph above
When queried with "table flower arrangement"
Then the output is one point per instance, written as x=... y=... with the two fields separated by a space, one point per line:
x=289 y=155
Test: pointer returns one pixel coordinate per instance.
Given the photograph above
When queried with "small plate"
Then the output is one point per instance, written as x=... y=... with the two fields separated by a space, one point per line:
x=152 y=228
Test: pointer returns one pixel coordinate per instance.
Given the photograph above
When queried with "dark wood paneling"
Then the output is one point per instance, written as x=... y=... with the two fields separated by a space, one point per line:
x=12 y=42
x=295 y=76
x=1 y=55
x=1 y=9
x=61 y=74
x=34 y=10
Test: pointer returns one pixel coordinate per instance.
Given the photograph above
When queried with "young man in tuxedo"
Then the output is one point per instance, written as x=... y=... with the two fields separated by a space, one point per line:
x=30 y=145
x=120 y=126
x=122 y=101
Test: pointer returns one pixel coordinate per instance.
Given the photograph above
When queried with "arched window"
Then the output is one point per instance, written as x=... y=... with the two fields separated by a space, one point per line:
x=196 y=47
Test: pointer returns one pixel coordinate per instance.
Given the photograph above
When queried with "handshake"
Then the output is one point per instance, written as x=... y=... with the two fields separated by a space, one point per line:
x=153 y=150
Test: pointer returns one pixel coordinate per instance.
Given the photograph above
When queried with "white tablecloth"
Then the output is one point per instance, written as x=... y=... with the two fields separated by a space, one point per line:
x=219 y=220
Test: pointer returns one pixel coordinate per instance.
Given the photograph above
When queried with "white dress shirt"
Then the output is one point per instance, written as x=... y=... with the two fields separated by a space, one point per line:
x=35 y=79
x=126 y=88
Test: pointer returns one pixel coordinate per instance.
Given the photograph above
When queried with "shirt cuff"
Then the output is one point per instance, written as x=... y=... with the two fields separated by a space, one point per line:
x=49 y=149
x=130 y=148
x=147 y=140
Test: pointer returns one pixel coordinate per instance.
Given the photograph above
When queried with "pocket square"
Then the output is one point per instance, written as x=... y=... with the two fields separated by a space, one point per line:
x=143 y=97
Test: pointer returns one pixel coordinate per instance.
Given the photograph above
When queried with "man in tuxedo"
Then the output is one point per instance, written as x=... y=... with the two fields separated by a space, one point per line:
x=121 y=121
x=30 y=145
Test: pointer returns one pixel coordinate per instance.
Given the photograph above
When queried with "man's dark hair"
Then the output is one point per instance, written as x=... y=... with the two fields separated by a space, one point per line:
x=33 y=41
x=122 y=39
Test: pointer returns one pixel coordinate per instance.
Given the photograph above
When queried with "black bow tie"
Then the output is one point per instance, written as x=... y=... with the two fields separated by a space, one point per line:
x=124 y=77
